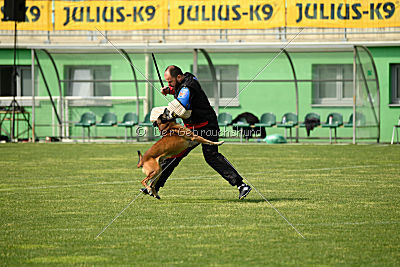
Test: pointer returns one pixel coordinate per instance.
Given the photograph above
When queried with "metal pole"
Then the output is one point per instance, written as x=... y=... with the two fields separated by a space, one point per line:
x=60 y=100
x=33 y=94
x=296 y=91
x=214 y=78
x=195 y=62
x=354 y=94
x=136 y=82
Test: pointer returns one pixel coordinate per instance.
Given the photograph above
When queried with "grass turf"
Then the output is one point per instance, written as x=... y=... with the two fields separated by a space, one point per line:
x=56 y=198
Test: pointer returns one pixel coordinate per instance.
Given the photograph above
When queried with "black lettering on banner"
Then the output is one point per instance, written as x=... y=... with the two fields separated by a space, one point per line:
x=35 y=12
x=220 y=17
x=389 y=9
x=322 y=9
x=358 y=15
x=120 y=14
x=376 y=11
x=268 y=14
x=98 y=14
x=300 y=17
x=236 y=12
x=340 y=13
x=67 y=16
x=151 y=12
x=182 y=8
x=254 y=12
x=74 y=18
x=213 y=12
x=111 y=14
x=307 y=11
x=344 y=11
x=137 y=13
x=203 y=13
x=196 y=13
x=88 y=19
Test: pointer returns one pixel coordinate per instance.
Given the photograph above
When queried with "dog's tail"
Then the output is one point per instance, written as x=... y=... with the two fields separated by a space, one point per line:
x=140 y=163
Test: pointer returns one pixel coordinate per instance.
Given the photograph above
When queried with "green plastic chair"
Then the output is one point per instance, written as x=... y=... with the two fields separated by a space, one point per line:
x=333 y=121
x=240 y=124
x=146 y=122
x=224 y=119
x=129 y=120
x=108 y=119
x=310 y=116
x=289 y=121
x=88 y=119
x=266 y=120
x=360 y=120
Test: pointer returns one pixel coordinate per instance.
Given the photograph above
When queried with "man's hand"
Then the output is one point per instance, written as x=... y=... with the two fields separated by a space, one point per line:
x=165 y=90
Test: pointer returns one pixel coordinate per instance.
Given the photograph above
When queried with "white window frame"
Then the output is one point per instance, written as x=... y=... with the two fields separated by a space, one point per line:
x=224 y=101
x=22 y=100
x=88 y=100
x=339 y=100
x=395 y=69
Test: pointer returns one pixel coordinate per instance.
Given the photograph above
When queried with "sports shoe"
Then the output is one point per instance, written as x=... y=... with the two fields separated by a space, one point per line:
x=244 y=190
x=146 y=192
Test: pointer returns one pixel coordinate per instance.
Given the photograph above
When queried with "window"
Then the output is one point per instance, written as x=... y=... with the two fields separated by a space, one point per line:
x=395 y=71
x=24 y=81
x=339 y=91
x=88 y=88
x=227 y=90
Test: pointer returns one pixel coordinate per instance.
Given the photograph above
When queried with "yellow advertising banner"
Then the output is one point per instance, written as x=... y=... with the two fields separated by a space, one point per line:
x=38 y=17
x=343 y=13
x=111 y=15
x=227 y=14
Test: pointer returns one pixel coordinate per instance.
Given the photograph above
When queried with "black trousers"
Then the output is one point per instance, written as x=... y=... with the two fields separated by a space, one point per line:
x=215 y=159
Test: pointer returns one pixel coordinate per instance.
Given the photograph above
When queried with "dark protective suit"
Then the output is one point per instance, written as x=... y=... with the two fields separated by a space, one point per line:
x=203 y=122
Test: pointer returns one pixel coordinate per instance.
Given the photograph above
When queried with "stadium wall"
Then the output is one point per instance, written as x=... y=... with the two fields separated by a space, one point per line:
x=256 y=97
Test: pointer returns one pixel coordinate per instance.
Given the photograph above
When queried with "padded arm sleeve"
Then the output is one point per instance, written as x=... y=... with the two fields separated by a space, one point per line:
x=183 y=97
x=176 y=107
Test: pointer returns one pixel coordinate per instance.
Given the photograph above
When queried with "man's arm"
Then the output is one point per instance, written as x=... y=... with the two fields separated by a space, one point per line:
x=181 y=105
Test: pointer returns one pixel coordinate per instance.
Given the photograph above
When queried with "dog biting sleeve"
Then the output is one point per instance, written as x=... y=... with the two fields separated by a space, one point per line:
x=156 y=112
x=176 y=107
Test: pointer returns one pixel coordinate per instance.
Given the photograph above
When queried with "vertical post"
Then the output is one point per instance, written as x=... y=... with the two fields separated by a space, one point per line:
x=33 y=93
x=354 y=93
x=66 y=117
x=147 y=101
x=14 y=84
x=195 y=62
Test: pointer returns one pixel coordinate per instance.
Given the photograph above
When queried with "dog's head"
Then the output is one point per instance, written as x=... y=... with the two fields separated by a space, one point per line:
x=164 y=119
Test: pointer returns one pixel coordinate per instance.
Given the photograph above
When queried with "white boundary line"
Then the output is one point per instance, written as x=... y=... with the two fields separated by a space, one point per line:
x=211 y=176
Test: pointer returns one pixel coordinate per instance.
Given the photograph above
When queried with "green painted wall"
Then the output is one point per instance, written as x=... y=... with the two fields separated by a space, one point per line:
x=256 y=98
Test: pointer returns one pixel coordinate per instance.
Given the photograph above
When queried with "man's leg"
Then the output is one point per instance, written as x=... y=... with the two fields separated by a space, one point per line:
x=219 y=163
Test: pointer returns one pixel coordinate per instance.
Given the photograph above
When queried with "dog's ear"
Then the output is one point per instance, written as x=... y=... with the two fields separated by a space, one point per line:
x=155 y=124
x=166 y=112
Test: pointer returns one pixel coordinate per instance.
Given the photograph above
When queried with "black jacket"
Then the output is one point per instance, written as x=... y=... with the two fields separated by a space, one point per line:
x=202 y=111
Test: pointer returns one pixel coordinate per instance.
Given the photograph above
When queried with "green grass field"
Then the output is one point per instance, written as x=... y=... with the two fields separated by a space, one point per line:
x=56 y=198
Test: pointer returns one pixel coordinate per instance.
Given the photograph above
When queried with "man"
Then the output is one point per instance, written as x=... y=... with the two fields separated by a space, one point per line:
x=192 y=105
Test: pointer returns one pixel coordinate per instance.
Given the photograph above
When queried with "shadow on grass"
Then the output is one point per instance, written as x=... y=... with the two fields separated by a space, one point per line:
x=259 y=200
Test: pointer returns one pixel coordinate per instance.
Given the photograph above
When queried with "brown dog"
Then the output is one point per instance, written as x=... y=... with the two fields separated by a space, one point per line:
x=175 y=139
